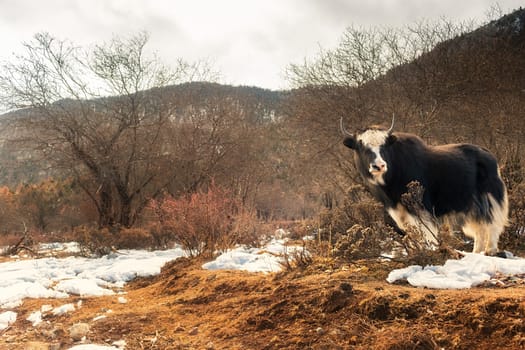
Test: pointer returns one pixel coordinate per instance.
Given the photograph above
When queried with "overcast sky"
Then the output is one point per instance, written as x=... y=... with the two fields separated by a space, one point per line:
x=250 y=42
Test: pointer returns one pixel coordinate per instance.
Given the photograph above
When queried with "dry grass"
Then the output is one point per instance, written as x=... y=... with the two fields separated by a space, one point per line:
x=346 y=307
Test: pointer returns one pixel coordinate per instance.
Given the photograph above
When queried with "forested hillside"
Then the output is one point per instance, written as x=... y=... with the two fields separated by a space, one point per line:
x=446 y=82
x=94 y=161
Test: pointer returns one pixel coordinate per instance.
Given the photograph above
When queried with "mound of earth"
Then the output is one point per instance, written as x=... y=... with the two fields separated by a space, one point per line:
x=322 y=307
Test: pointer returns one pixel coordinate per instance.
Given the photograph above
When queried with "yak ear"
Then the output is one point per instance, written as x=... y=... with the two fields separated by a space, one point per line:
x=391 y=139
x=350 y=142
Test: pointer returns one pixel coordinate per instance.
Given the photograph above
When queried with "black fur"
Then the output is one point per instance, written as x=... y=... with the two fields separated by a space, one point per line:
x=457 y=178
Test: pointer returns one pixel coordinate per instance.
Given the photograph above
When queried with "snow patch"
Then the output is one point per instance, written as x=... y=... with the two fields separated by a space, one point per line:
x=470 y=271
x=82 y=287
x=63 y=309
x=58 y=278
x=35 y=318
x=401 y=274
x=266 y=259
x=69 y=247
x=6 y=319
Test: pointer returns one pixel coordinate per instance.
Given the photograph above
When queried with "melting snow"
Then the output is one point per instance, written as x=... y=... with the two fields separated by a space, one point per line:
x=267 y=259
x=7 y=318
x=35 y=318
x=58 y=278
x=64 y=309
x=471 y=270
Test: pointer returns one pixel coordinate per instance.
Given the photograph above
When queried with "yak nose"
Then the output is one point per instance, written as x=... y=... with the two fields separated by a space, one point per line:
x=379 y=166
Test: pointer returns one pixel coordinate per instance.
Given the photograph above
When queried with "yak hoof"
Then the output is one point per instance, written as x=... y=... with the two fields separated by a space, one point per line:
x=504 y=254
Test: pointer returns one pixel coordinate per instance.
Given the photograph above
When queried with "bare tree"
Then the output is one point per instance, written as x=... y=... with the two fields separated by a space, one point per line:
x=221 y=134
x=370 y=75
x=369 y=58
x=99 y=114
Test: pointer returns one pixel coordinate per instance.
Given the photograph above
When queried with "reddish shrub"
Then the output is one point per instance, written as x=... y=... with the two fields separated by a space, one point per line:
x=204 y=222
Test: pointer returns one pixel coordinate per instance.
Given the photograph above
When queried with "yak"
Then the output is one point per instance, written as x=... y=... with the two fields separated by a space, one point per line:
x=461 y=183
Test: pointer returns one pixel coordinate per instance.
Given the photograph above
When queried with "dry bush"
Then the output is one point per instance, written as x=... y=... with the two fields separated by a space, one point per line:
x=513 y=173
x=512 y=170
x=102 y=241
x=355 y=230
x=302 y=228
x=14 y=244
x=415 y=247
x=358 y=208
x=247 y=229
x=205 y=222
x=412 y=199
x=94 y=241
x=134 y=238
x=375 y=239
x=161 y=235
x=9 y=239
x=361 y=242
x=412 y=248
x=298 y=258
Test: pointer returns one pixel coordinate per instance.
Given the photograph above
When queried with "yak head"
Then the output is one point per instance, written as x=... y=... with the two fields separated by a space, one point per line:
x=369 y=146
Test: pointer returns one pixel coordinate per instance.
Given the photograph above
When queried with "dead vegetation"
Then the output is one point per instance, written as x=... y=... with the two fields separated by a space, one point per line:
x=334 y=297
x=324 y=306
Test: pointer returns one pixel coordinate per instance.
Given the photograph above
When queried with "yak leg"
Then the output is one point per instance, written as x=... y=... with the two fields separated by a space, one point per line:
x=479 y=233
x=486 y=231
x=497 y=224
x=404 y=220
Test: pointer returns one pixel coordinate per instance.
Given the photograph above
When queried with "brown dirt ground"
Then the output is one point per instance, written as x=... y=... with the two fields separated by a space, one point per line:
x=321 y=307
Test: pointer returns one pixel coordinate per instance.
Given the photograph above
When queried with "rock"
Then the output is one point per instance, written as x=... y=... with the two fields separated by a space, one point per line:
x=194 y=331
x=78 y=331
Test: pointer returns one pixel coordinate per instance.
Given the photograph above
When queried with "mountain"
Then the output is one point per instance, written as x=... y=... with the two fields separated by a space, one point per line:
x=23 y=165
x=469 y=88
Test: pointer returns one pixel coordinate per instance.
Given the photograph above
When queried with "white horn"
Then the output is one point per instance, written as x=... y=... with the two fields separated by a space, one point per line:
x=392 y=126
x=343 y=130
